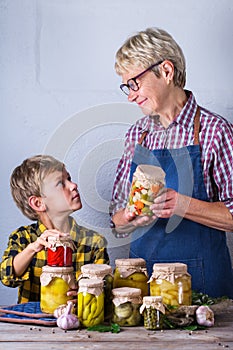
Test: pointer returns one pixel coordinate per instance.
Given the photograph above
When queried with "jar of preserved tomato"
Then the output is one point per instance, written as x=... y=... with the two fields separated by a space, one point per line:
x=60 y=252
x=90 y=302
x=153 y=312
x=172 y=282
x=103 y=272
x=55 y=283
x=131 y=272
x=126 y=306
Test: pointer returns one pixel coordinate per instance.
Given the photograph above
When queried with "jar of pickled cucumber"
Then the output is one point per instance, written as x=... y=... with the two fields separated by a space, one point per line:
x=126 y=306
x=104 y=272
x=55 y=283
x=60 y=252
x=153 y=312
x=172 y=282
x=90 y=302
x=131 y=272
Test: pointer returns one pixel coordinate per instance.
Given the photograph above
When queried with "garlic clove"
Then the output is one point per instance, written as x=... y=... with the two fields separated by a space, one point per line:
x=59 y=310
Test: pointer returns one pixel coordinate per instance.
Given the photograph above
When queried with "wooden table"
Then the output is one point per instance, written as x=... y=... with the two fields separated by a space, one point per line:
x=21 y=336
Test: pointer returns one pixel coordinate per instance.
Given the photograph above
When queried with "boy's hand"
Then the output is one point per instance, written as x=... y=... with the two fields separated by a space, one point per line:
x=42 y=241
x=74 y=294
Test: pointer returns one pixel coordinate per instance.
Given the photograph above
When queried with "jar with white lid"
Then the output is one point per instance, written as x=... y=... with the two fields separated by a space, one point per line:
x=103 y=272
x=55 y=283
x=172 y=282
x=148 y=182
x=126 y=306
x=153 y=312
x=131 y=272
x=90 y=302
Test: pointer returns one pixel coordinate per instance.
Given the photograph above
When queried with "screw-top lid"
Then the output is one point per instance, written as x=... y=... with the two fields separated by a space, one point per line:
x=168 y=271
x=126 y=291
x=170 y=267
x=91 y=283
x=65 y=241
x=148 y=300
x=57 y=270
x=154 y=302
x=130 y=262
x=98 y=270
x=148 y=174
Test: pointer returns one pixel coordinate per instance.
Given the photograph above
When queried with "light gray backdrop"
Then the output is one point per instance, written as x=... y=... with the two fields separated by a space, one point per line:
x=60 y=94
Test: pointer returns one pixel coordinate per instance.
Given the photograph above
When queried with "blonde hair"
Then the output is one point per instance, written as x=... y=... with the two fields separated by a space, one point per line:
x=27 y=178
x=148 y=47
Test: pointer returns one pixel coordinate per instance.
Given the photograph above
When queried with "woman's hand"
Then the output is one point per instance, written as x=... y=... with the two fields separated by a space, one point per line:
x=126 y=222
x=167 y=204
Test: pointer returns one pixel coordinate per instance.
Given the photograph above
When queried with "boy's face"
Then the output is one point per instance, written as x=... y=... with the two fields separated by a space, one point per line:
x=60 y=194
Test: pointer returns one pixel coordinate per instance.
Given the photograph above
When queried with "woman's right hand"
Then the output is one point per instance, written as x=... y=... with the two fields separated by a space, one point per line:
x=126 y=222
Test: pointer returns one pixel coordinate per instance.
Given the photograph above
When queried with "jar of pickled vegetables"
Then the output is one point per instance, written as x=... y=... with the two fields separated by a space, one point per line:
x=148 y=182
x=90 y=302
x=55 y=283
x=172 y=282
x=60 y=252
x=131 y=272
x=104 y=272
x=126 y=306
x=153 y=312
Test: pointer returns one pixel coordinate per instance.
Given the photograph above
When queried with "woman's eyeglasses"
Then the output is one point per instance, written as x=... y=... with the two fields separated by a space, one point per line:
x=132 y=83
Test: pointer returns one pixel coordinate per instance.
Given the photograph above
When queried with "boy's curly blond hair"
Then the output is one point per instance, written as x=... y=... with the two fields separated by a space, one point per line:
x=27 y=178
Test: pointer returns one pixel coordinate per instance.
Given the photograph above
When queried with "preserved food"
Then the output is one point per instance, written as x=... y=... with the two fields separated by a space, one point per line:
x=172 y=282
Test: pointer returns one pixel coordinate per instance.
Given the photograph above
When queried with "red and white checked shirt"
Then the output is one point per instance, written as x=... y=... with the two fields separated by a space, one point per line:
x=216 y=143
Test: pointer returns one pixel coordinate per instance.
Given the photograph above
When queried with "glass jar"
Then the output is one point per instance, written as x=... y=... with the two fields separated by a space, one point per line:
x=60 y=253
x=55 y=283
x=148 y=181
x=104 y=272
x=131 y=272
x=153 y=312
x=90 y=302
x=126 y=306
x=172 y=282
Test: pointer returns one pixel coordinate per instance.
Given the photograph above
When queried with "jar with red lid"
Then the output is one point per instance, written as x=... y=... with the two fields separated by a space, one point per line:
x=60 y=252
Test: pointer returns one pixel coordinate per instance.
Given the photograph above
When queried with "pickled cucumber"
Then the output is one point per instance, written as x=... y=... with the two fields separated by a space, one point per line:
x=136 y=280
x=127 y=314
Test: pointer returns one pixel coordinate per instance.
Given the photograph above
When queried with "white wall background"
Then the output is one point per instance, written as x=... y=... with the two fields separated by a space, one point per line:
x=59 y=93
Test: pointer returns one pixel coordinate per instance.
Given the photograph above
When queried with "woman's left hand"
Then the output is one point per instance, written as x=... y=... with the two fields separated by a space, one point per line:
x=166 y=204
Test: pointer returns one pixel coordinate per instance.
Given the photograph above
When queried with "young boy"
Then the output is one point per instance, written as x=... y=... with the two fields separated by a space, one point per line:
x=44 y=192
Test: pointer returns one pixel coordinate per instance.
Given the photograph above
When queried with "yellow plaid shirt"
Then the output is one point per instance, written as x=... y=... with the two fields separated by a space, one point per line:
x=91 y=247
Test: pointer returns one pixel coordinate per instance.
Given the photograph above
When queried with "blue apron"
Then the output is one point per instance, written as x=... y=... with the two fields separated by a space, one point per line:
x=176 y=239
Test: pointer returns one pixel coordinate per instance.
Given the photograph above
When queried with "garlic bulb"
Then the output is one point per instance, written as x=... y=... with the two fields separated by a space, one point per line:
x=205 y=316
x=68 y=320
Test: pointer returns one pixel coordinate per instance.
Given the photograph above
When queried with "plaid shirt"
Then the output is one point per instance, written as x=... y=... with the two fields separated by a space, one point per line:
x=91 y=248
x=216 y=143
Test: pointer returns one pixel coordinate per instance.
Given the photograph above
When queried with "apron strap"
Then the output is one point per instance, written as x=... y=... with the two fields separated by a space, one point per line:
x=197 y=126
x=142 y=137
x=196 y=129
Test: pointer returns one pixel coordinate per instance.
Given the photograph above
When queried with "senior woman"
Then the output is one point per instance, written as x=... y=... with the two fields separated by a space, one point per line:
x=194 y=147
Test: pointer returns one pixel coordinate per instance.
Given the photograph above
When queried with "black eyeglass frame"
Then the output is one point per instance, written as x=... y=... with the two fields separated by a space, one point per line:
x=135 y=78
